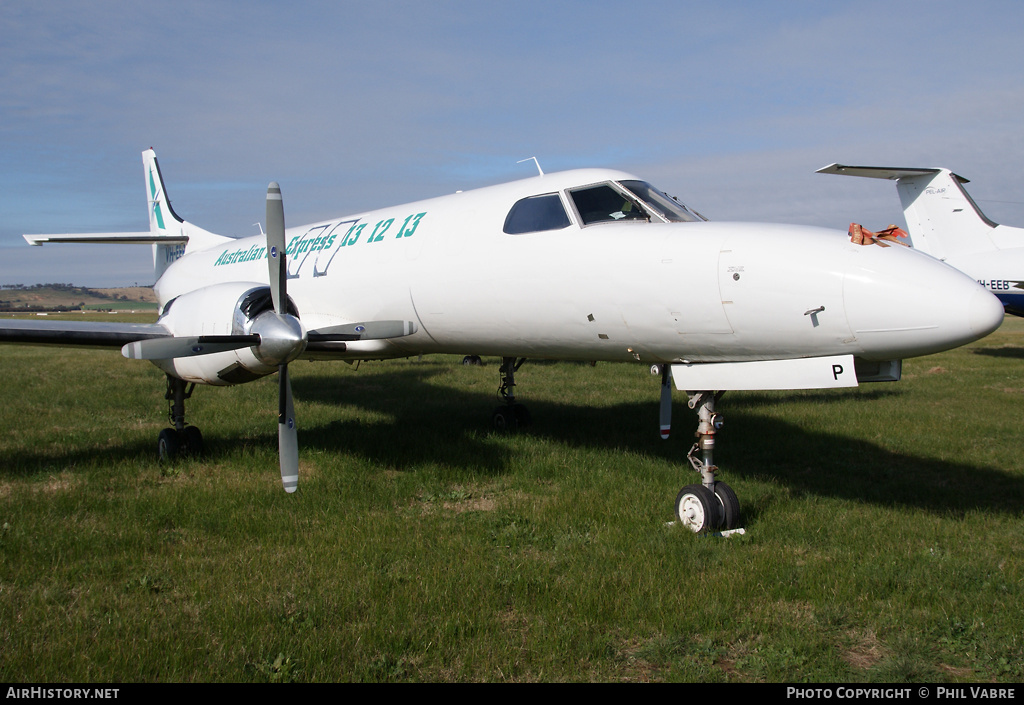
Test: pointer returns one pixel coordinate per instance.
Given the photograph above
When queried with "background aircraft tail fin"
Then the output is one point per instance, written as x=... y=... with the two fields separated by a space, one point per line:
x=942 y=219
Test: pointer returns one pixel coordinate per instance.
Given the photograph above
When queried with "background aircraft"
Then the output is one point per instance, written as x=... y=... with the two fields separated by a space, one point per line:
x=944 y=221
x=581 y=265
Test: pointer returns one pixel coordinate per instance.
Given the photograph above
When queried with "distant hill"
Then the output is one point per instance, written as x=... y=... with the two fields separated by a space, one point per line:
x=68 y=297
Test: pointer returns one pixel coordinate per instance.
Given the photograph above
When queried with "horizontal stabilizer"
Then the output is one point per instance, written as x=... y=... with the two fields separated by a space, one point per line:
x=803 y=373
x=170 y=235
x=140 y=238
x=878 y=172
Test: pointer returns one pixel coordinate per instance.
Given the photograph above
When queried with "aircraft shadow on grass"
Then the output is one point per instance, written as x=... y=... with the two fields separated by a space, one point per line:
x=750 y=446
x=1013 y=353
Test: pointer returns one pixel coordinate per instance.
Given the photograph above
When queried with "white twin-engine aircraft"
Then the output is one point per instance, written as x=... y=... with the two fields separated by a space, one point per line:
x=945 y=222
x=580 y=265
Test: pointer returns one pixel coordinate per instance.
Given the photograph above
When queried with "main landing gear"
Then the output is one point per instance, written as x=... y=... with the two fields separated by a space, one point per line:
x=712 y=504
x=182 y=439
x=512 y=415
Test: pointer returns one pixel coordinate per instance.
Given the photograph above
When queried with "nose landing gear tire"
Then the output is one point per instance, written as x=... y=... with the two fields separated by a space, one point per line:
x=698 y=508
x=729 y=506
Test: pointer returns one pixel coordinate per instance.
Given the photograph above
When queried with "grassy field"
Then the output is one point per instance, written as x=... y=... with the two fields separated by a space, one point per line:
x=133 y=298
x=883 y=528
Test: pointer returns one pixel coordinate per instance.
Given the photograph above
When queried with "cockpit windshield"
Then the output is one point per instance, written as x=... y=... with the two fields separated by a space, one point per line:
x=665 y=206
x=603 y=203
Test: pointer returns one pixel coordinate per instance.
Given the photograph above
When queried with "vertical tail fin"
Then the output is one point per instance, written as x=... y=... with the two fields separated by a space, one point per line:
x=165 y=223
x=158 y=201
x=942 y=219
x=163 y=253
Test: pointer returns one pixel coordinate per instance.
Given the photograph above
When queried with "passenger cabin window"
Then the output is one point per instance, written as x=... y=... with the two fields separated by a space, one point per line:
x=606 y=204
x=536 y=214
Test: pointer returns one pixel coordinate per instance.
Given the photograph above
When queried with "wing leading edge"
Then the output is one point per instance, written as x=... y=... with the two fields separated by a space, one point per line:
x=77 y=333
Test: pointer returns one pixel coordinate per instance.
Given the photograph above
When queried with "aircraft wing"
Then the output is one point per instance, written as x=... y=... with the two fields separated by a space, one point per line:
x=98 y=334
x=77 y=333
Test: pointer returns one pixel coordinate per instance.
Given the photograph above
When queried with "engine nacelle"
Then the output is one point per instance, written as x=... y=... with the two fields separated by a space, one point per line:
x=233 y=308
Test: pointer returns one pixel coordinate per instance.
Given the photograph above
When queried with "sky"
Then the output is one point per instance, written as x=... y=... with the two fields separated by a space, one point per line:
x=731 y=106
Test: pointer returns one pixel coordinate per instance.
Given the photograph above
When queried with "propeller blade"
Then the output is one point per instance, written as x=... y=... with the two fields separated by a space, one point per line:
x=171 y=347
x=666 y=401
x=287 y=437
x=369 y=330
x=276 y=247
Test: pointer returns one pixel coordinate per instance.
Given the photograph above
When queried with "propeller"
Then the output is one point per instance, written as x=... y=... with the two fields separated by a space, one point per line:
x=182 y=346
x=166 y=348
x=275 y=247
x=277 y=337
x=666 y=401
x=370 y=330
x=287 y=436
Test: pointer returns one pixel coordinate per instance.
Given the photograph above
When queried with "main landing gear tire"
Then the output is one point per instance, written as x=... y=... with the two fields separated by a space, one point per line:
x=193 y=441
x=510 y=417
x=698 y=509
x=172 y=444
x=181 y=439
x=168 y=445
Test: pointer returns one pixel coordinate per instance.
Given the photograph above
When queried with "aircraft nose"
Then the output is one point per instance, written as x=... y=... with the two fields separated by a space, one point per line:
x=901 y=303
x=985 y=312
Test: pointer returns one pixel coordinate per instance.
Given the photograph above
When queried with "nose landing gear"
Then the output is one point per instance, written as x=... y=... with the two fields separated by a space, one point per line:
x=512 y=415
x=712 y=504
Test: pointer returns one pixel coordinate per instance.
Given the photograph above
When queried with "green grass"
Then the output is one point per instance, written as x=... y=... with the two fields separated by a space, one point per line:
x=883 y=527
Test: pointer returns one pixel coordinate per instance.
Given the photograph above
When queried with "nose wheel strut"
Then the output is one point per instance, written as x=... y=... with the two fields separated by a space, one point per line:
x=512 y=415
x=712 y=504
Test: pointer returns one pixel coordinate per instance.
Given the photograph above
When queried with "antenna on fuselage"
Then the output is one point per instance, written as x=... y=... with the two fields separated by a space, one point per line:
x=534 y=161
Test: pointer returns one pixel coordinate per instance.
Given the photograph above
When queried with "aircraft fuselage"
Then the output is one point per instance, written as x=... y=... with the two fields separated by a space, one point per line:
x=622 y=290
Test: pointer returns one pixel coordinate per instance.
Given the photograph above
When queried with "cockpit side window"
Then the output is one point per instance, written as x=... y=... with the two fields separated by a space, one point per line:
x=666 y=206
x=605 y=204
x=536 y=214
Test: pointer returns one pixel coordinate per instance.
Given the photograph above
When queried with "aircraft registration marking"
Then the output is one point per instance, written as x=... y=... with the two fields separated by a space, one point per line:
x=173 y=253
x=1001 y=284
